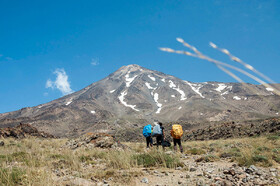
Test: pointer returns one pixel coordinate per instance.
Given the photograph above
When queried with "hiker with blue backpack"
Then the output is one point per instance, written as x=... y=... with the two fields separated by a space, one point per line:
x=158 y=132
x=147 y=132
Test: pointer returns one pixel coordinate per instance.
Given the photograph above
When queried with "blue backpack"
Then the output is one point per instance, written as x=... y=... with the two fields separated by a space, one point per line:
x=147 y=130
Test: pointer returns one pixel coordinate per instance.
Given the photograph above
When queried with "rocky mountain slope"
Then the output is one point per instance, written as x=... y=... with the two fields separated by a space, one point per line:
x=134 y=96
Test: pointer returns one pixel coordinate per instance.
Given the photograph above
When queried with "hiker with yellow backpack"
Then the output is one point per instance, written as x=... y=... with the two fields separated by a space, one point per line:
x=177 y=132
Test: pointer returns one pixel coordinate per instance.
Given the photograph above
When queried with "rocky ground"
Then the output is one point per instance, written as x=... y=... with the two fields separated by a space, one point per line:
x=23 y=131
x=221 y=172
x=234 y=130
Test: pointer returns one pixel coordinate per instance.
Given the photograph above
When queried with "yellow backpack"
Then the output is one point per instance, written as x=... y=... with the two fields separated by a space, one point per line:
x=177 y=131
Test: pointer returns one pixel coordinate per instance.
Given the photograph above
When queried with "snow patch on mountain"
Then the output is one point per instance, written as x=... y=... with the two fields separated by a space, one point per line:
x=236 y=98
x=93 y=112
x=152 y=78
x=195 y=87
x=269 y=89
x=163 y=80
x=221 y=87
x=148 y=85
x=69 y=102
x=180 y=108
x=112 y=91
x=128 y=79
x=183 y=96
x=226 y=92
x=173 y=86
x=159 y=105
x=121 y=98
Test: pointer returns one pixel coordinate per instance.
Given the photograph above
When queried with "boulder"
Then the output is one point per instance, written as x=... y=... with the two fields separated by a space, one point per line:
x=92 y=140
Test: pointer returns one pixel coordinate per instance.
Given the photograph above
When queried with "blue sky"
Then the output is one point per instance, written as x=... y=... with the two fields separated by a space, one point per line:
x=50 y=48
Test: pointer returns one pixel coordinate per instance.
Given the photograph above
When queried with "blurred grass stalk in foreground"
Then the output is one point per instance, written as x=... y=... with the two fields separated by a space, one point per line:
x=224 y=66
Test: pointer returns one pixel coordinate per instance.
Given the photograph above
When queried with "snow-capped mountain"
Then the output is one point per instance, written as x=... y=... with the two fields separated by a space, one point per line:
x=134 y=96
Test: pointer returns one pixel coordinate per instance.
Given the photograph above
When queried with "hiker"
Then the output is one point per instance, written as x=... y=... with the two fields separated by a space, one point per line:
x=158 y=132
x=147 y=132
x=177 y=132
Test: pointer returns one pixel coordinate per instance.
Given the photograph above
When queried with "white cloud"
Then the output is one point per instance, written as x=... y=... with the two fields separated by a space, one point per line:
x=61 y=82
x=94 y=61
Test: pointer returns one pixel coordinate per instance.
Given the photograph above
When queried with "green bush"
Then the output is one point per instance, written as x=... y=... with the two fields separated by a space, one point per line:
x=208 y=158
x=273 y=138
x=195 y=151
x=260 y=158
x=263 y=149
x=58 y=156
x=16 y=156
x=11 y=177
x=276 y=158
x=276 y=150
x=157 y=159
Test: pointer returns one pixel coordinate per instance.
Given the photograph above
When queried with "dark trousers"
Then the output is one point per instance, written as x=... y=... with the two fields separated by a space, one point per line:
x=159 y=139
x=149 y=141
x=177 y=141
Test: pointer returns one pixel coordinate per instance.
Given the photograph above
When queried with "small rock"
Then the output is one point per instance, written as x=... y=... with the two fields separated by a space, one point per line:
x=199 y=174
x=2 y=143
x=273 y=174
x=230 y=171
x=187 y=176
x=208 y=176
x=244 y=180
x=169 y=152
x=253 y=167
x=166 y=173
x=271 y=169
x=145 y=180
x=178 y=168
x=179 y=182
x=218 y=179
x=200 y=183
x=192 y=169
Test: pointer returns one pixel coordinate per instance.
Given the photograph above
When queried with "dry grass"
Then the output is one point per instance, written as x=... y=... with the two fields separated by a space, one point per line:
x=35 y=161
x=261 y=151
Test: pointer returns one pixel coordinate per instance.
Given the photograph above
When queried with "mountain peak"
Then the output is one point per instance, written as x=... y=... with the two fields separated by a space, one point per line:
x=132 y=67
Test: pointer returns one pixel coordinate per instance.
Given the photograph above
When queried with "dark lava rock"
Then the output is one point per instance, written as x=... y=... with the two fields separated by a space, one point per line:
x=22 y=131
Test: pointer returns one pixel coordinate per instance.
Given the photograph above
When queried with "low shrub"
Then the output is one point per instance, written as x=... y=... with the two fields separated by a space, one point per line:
x=260 y=158
x=207 y=158
x=273 y=138
x=157 y=159
x=195 y=151
x=12 y=176
x=16 y=156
